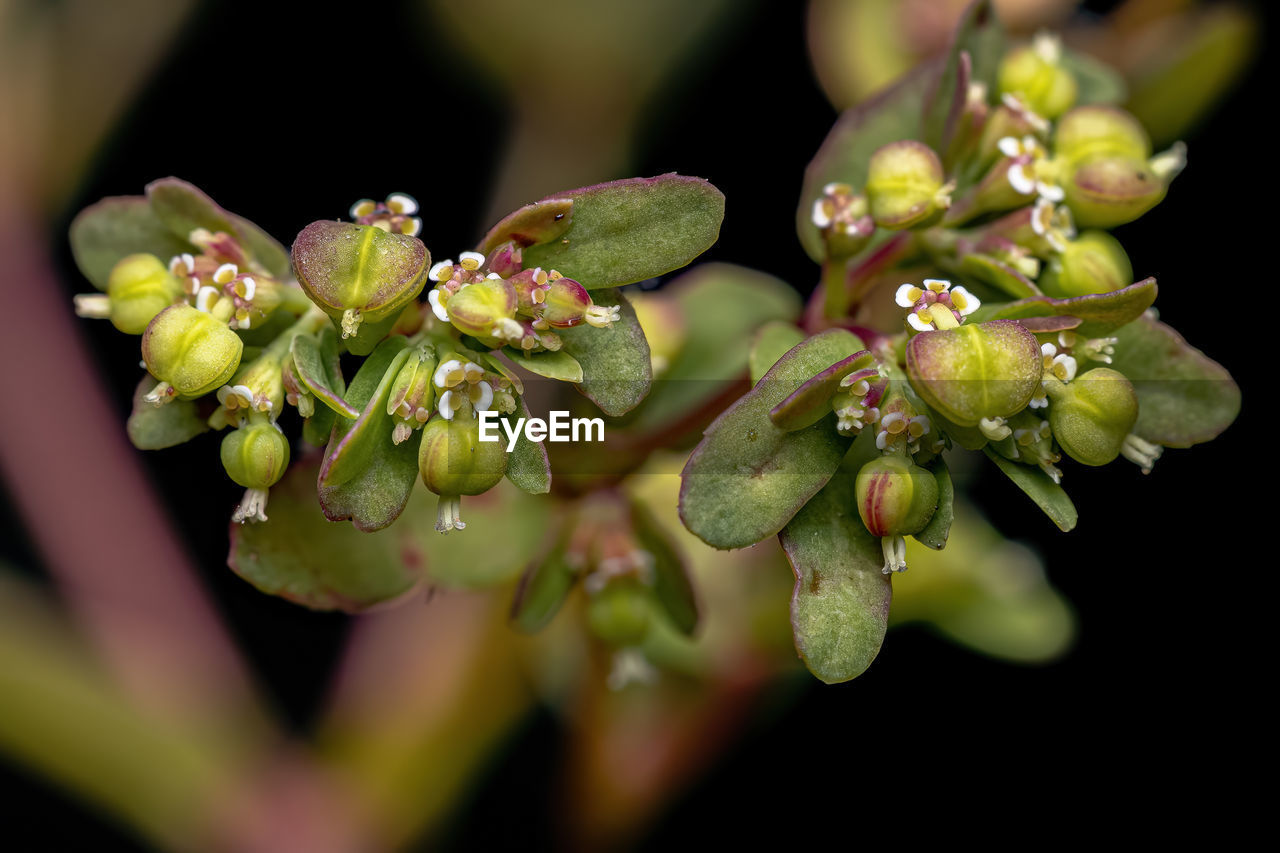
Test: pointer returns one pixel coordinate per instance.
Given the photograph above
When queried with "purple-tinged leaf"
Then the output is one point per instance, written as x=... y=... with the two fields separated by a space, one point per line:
x=626 y=231
x=114 y=228
x=811 y=402
x=540 y=222
x=316 y=361
x=999 y=275
x=617 y=369
x=1184 y=397
x=1100 y=313
x=527 y=463
x=935 y=533
x=770 y=343
x=747 y=478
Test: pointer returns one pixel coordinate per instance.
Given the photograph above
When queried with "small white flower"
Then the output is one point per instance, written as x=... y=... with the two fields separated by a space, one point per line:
x=225 y=274
x=441 y=271
x=434 y=298
x=402 y=203
x=471 y=261
x=207 y=297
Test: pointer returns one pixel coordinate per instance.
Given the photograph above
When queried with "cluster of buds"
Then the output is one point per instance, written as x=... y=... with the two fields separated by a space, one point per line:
x=396 y=214
x=499 y=304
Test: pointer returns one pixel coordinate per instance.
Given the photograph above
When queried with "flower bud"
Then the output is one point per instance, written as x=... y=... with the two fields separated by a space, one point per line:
x=1093 y=263
x=255 y=455
x=842 y=218
x=566 y=303
x=1105 y=166
x=1035 y=75
x=190 y=350
x=977 y=371
x=895 y=496
x=412 y=393
x=905 y=185
x=139 y=288
x=531 y=290
x=454 y=461
x=619 y=612
x=1092 y=415
x=480 y=309
x=360 y=274
x=1030 y=441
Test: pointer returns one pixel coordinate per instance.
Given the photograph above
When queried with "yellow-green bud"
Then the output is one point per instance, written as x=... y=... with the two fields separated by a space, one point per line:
x=255 y=455
x=905 y=185
x=619 y=612
x=140 y=287
x=1095 y=262
x=192 y=351
x=1092 y=414
x=1035 y=75
x=482 y=309
x=454 y=461
x=977 y=371
x=1095 y=131
x=566 y=303
x=895 y=496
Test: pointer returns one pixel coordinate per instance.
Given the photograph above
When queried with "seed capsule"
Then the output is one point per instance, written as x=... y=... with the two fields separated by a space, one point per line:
x=1092 y=415
x=895 y=496
x=482 y=308
x=454 y=461
x=905 y=185
x=1093 y=263
x=619 y=612
x=139 y=288
x=1034 y=74
x=256 y=455
x=190 y=350
x=975 y=372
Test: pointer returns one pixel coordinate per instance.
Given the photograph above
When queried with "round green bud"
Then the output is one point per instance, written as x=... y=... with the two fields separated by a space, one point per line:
x=619 y=612
x=1035 y=77
x=477 y=309
x=566 y=303
x=1091 y=415
x=256 y=455
x=360 y=275
x=976 y=371
x=1108 y=191
x=140 y=287
x=454 y=461
x=1095 y=262
x=1091 y=132
x=905 y=185
x=191 y=350
x=895 y=496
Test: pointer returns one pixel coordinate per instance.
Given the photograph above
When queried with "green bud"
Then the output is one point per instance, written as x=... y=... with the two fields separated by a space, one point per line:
x=1092 y=415
x=1030 y=442
x=1035 y=75
x=566 y=303
x=895 y=496
x=255 y=455
x=412 y=393
x=977 y=371
x=1095 y=262
x=1105 y=166
x=484 y=308
x=190 y=350
x=140 y=287
x=905 y=185
x=360 y=274
x=454 y=461
x=619 y=612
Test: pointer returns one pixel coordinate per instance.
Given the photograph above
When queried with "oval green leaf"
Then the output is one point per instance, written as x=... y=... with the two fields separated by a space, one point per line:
x=617 y=370
x=1100 y=313
x=152 y=427
x=316 y=360
x=1038 y=486
x=557 y=365
x=114 y=228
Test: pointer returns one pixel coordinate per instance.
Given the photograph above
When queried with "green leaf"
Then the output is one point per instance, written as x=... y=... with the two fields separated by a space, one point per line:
x=553 y=365
x=183 y=208
x=770 y=343
x=672 y=586
x=840 y=602
x=544 y=586
x=626 y=231
x=721 y=304
x=114 y=228
x=157 y=427
x=316 y=360
x=977 y=45
x=811 y=402
x=1038 y=486
x=1184 y=397
x=300 y=556
x=747 y=478
x=935 y=532
x=365 y=477
x=1097 y=82
x=527 y=463
x=317 y=428
x=1100 y=313
x=616 y=367
x=263 y=248
x=540 y=222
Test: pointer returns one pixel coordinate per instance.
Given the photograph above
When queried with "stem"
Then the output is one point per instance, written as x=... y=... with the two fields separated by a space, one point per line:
x=835 y=288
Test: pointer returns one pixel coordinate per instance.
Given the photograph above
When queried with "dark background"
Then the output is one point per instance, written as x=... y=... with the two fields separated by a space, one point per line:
x=1142 y=722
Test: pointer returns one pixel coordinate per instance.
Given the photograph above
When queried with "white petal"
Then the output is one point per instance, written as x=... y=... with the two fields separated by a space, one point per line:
x=225 y=273
x=439 y=267
x=966 y=299
x=1050 y=192
x=445 y=405
x=820 y=216
x=434 y=298
x=1021 y=182
x=441 y=377
x=207 y=298
x=914 y=321
x=904 y=295
x=406 y=204
x=471 y=260
x=1009 y=146
x=485 y=396
x=1048 y=349
x=937 y=285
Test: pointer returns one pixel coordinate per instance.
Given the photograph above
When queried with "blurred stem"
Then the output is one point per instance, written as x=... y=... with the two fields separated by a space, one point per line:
x=835 y=288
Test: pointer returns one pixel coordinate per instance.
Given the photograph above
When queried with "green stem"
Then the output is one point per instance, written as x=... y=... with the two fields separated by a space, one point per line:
x=835 y=288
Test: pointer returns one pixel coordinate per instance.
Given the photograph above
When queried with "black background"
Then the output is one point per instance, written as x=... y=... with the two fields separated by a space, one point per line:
x=1142 y=724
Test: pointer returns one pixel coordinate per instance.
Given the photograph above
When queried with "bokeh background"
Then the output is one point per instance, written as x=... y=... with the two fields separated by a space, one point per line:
x=286 y=115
